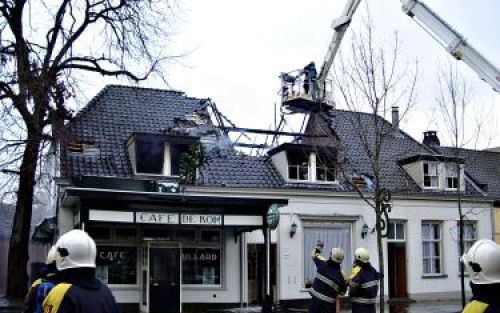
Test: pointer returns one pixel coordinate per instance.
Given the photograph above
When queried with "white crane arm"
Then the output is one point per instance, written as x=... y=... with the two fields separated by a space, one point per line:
x=339 y=26
x=454 y=42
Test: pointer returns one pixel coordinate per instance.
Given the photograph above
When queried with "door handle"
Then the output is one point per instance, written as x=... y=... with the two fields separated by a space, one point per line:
x=154 y=282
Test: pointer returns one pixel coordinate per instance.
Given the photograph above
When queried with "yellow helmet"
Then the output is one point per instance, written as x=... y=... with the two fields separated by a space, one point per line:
x=362 y=255
x=337 y=255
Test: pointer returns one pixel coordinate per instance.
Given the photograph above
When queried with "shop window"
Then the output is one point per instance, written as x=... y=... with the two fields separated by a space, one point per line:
x=116 y=264
x=156 y=233
x=126 y=233
x=210 y=235
x=201 y=266
x=185 y=235
x=99 y=232
x=201 y=256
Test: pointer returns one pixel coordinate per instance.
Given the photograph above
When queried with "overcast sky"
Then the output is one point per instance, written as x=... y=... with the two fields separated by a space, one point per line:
x=236 y=50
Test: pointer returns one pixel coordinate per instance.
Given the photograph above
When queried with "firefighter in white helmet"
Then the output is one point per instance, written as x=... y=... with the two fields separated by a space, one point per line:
x=329 y=281
x=78 y=291
x=482 y=262
x=41 y=287
x=363 y=284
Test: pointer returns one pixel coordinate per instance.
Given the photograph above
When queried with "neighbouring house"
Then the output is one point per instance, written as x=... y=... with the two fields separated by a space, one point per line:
x=179 y=215
x=37 y=251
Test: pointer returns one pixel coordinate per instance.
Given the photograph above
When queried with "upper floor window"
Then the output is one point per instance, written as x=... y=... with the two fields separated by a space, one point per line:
x=298 y=165
x=325 y=168
x=155 y=155
x=310 y=166
x=431 y=175
x=451 y=176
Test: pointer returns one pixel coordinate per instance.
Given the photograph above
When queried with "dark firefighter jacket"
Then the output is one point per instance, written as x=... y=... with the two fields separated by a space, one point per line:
x=329 y=281
x=363 y=285
x=485 y=299
x=79 y=292
x=37 y=292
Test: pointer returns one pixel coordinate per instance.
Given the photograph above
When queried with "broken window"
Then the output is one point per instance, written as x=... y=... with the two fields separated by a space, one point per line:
x=325 y=168
x=298 y=165
x=149 y=156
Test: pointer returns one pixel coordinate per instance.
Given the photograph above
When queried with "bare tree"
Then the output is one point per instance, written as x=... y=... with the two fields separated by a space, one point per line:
x=453 y=111
x=373 y=79
x=45 y=47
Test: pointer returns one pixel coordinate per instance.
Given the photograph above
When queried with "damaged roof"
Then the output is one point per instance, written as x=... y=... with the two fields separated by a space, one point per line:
x=118 y=112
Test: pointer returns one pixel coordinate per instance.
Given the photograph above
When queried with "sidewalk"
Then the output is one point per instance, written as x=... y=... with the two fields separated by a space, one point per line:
x=7 y=306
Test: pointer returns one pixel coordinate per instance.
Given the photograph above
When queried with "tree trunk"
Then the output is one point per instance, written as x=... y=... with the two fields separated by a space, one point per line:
x=17 y=281
x=380 y=255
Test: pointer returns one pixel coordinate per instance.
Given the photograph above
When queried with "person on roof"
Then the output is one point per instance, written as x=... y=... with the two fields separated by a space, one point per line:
x=363 y=284
x=79 y=291
x=482 y=262
x=329 y=281
x=41 y=287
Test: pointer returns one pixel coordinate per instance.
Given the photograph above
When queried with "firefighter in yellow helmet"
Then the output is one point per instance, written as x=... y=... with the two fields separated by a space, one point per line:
x=482 y=262
x=329 y=281
x=363 y=284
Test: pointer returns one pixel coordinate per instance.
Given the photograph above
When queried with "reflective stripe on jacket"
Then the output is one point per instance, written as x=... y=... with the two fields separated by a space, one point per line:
x=363 y=285
x=328 y=281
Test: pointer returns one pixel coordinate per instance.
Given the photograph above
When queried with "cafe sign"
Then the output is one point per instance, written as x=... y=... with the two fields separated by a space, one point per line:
x=176 y=218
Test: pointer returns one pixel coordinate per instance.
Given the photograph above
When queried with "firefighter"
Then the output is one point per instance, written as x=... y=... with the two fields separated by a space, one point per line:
x=363 y=284
x=329 y=281
x=482 y=262
x=41 y=287
x=79 y=291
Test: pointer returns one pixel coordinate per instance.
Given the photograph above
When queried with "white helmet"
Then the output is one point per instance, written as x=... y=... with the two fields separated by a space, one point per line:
x=51 y=255
x=482 y=262
x=75 y=249
x=362 y=255
x=337 y=255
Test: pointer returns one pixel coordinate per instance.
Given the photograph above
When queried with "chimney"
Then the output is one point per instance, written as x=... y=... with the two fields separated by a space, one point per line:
x=395 y=118
x=431 y=138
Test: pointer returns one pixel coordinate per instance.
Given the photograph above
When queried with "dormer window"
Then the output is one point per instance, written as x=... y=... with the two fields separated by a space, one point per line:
x=157 y=154
x=325 y=168
x=431 y=175
x=298 y=165
x=451 y=176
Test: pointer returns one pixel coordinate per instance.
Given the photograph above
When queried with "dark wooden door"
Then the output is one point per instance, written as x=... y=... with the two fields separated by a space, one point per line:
x=397 y=270
x=164 y=280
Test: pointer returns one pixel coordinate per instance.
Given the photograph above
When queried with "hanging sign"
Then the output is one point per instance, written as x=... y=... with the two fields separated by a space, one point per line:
x=273 y=216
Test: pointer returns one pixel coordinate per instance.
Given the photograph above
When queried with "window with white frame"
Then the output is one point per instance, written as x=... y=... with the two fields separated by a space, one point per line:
x=431 y=175
x=432 y=248
x=332 y=235
x=311 y=166
x=396 y=231
x=469 y=234
x=298 y=165
x=325 y=168
x=451 y=175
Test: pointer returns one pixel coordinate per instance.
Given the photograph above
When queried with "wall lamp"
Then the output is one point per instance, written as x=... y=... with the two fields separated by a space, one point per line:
x=364 y=231
x=293 y=229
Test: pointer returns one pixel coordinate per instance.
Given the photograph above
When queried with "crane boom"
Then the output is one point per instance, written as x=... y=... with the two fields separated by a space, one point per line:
x=339 y=26
x=454 y=42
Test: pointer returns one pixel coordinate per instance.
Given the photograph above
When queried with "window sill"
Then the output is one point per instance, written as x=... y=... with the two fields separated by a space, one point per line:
x=436 y=276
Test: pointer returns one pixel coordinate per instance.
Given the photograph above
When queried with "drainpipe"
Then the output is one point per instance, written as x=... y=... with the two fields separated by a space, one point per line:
x=241 y=269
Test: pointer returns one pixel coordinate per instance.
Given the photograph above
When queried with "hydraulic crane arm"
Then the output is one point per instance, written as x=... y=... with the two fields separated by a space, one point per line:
x=339 y=26
x=453 y=41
